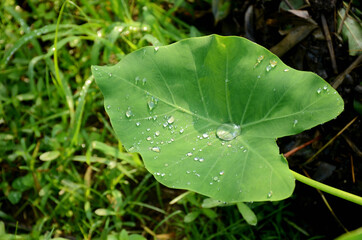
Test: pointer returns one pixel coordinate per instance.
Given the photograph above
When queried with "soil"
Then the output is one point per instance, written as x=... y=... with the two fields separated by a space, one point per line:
x=340 y=164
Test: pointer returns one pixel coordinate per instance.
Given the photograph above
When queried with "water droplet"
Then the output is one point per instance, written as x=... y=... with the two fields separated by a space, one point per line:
x=286 y=70
x=157 y=133
x=148 y=138
x=182 y=130
x=156 y=149
x=268 y=68
x=170 y=120
x=151 y=105
x=229 y=146
x=138 y=124
x=108 y=106
x=156 y=48
x=245 y=150
x=205 y=135
x=273 y=63
x=129 y=113
x=222 y=173
x=187 y=172
x=96 y=68
x=196 y=159
x=136 y=80
x=144 y=80
x=163 y=174
x=189 y=154
x=215 y=178
x=319 y=90
x=201 y=160
x=110 y=75
x=260 y=58
x=325 y=88
x=270 y=194
x=295 y=122
x=228 y=131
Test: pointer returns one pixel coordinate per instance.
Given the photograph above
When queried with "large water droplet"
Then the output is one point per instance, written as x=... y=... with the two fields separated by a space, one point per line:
x=156 y=48
x=228 y=131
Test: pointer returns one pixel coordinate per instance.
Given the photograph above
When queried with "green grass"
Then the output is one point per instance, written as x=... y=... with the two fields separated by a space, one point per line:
x=63 y=173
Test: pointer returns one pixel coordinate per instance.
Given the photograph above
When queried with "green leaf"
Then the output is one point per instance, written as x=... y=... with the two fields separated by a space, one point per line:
x=247 y=213
x=14 y=197
x=104 y=212
x=191 y=216
x=204 y=114
x=353 y=235
x=352 y=32
x=23 y=183
x=49 y=156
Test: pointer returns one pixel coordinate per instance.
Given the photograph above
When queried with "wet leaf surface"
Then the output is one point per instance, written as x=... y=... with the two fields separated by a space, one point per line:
x=204 y=114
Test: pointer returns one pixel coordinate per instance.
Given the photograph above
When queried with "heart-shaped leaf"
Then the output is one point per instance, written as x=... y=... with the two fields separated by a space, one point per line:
x=204 y=114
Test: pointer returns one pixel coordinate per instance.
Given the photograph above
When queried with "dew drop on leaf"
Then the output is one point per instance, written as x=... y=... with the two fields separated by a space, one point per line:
x=108 y=106
x=295 y=122
x=270 y=194
x=228 y=131
x=156 y=48
x=144 y=81
x=156 y=149
x=319 y=90
x=128 y=113
x=136 y=80
x=273 y=63
x=138 y=124
x=170 y=120
x=268 y=68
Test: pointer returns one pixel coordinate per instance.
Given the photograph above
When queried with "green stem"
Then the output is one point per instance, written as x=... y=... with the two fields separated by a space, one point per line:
x=328 y=189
